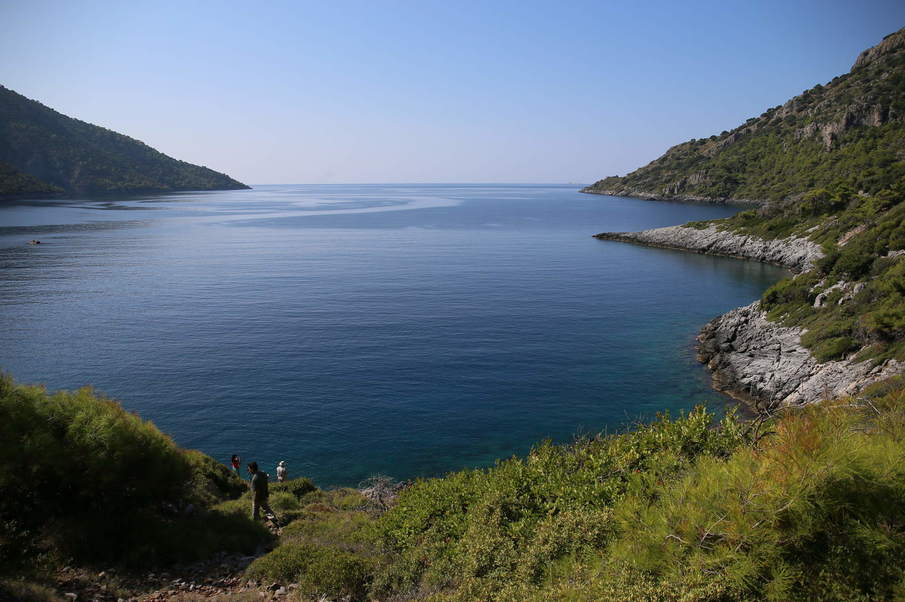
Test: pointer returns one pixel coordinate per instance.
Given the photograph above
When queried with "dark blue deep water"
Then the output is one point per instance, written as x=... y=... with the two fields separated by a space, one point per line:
x=350 y=330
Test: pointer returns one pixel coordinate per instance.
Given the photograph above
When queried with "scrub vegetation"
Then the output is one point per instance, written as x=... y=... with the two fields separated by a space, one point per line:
x=803 y=505
x=854 y=300
x=828 y=166
x=845 y=133
x=85 y=481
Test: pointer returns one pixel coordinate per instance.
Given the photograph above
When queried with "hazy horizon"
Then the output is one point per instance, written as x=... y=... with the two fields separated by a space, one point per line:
x=422 y=92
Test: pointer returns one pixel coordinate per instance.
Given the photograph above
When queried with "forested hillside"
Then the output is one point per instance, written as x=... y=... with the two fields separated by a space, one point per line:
x=14 y=182
x=43 y=151
x=845 y=133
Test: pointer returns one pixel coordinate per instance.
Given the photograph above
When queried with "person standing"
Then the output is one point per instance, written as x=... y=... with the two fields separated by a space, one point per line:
x=236 y=463
x=281 y=471
x=259 y=492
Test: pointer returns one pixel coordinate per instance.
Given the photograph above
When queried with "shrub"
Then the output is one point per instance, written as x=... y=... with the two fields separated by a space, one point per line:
x=493 y=528
x=855 y=260
x=338 y=529
x=317 y=570
x=833 y=349
x=887 y=322
x=820 y=202
x=297 y=487
x=789 y=292
x=814 y=513
x=102 y=484
x=211 y=480
x=338 y=573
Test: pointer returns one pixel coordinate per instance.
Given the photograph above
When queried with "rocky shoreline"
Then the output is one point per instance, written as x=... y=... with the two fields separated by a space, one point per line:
x=765 y=365
x=684 y=198
x=797 y=254
x=756 y=361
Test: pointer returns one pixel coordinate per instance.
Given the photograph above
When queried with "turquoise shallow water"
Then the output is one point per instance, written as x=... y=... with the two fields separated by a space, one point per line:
x=351 y=330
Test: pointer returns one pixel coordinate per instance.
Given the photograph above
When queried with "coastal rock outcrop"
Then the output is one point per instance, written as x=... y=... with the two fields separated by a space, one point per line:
x=673 y=193
x=798 y=254
x=765 y=364
x=751 y=358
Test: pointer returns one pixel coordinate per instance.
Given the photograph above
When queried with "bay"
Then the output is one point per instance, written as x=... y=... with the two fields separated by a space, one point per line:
x=352 y=330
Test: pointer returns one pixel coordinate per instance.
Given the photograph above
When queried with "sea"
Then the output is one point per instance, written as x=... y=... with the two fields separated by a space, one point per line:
x=404 y=330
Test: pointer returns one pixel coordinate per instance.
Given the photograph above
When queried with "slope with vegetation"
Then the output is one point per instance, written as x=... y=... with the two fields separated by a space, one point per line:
x=43 y=151
x=85 y=481
x=805 y=505
x=15 y=183
x=848 y=132
x=829 y=170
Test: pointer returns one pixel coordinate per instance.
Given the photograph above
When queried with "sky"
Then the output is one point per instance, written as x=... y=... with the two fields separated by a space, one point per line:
x=450 y=91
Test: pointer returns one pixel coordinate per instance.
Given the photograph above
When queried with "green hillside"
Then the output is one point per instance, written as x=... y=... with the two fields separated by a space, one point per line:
x=829 y=166
x=14 y=182
x=848 y=132
x=42 y=150
x=804 y=506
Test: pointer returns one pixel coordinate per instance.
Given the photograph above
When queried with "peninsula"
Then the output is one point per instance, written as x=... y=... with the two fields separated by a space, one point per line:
x=45 y=152
x=826 y=176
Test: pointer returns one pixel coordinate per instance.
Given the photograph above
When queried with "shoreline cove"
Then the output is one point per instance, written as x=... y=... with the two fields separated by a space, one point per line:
x=753 y=360
x=356 y=321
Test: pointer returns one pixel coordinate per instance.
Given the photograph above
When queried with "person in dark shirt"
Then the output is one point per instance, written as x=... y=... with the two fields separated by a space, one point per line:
x=259 y=492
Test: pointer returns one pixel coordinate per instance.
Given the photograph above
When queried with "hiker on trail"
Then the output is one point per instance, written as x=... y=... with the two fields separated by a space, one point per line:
x=281 y=471
x=237 y=464
x=259 y=492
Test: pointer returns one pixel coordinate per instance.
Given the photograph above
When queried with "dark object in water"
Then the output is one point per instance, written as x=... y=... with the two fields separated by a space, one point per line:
x=34 y=242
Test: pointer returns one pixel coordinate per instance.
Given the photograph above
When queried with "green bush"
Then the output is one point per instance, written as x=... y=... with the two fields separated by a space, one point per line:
x=820 y=202
x=813 y=513
x=297 y=487
x=834 y=348
x=493 y=528
x=99 y=483
x=855 y=260
x=211 y=480
x=789 y=293
x=887 y=323
x=317 y=570
x=339 y=529
x=283 y=501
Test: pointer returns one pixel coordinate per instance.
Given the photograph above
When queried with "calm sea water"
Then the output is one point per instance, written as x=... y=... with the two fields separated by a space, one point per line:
x=407 y=330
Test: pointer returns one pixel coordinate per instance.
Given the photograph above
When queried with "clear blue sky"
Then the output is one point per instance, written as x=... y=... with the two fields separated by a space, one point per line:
x=450 y=91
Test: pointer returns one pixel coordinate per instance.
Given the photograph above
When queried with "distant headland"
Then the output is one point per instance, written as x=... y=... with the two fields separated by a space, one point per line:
x=43 y=152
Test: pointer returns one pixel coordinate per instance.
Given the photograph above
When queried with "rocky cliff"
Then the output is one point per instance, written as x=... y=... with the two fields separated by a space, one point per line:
x=764 y=364
x=798 y=254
